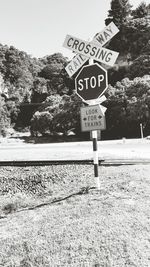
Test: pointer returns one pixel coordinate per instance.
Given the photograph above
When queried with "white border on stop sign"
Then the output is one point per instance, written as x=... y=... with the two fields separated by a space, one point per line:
x=100 y=96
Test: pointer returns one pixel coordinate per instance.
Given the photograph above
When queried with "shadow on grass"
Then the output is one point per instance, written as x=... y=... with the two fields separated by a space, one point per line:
x=11 y=207
x=50 y=139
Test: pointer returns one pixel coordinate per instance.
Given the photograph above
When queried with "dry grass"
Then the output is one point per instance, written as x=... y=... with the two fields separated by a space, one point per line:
x=106 y=228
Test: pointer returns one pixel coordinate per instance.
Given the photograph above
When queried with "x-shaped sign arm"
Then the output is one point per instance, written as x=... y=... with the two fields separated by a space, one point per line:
x=98 y=42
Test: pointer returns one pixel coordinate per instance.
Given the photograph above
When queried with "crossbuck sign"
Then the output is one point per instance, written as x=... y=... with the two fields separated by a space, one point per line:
x=94 y=49
x=91 y=50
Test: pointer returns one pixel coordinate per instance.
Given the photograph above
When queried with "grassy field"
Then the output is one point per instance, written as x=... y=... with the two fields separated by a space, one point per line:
x=51 y=216
x=110 y=149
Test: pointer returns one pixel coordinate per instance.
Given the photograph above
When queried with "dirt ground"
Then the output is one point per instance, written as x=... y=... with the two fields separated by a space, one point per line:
x=51 y=216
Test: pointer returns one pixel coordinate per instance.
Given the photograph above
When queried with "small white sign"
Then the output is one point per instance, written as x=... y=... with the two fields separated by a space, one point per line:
x=92 y=118
x=88 y=49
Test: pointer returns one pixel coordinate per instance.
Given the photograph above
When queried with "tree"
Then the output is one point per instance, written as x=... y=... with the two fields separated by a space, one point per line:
x=137 y=35
x=62 y=113
x=119 y=12
x=68 y=115
x=41 y=123
x=4 y=116
x=53 y=72
x=17 y=68
x=39 y=90
x=128 y=105
x=140 y=67
x=29 y=81
x=131 y=42
x=141 y=11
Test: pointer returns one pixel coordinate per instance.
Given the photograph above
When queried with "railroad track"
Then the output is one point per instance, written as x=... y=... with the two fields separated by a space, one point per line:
x=107 y=162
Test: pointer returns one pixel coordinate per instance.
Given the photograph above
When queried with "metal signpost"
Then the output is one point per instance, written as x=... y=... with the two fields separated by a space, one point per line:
x=92 y=81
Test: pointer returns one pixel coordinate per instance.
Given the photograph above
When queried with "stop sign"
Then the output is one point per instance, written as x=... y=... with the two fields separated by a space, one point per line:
x=91 y=82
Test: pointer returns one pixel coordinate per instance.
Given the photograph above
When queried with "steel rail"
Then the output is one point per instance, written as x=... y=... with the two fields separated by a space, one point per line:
x=107 y=162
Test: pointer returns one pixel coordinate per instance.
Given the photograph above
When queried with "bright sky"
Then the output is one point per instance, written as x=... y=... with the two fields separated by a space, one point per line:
x=39 y=27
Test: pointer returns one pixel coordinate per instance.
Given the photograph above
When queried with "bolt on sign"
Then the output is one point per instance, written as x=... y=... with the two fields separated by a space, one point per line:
x=100 y=39
x=92 y=118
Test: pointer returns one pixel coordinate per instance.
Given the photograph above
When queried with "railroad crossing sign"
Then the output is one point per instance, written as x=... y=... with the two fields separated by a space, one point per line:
x=91 y=82
x=104 y=36
x=91 y=50
x=100 y=39
x=92 y=118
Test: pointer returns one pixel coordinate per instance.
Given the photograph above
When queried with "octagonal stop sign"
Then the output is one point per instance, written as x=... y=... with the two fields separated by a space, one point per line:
x=91 y=82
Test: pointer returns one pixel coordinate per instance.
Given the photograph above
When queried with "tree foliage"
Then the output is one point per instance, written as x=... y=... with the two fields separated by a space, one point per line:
x=4 y=116
x=141 y=11
x=140 y=66
x=57 y=78
x=119 y=12
x=128 y=105
x=62 y=115
x=132 y=38
x=30 y=81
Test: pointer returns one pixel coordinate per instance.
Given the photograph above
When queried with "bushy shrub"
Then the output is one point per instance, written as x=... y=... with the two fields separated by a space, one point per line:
x=4 y=121
x=40 y=123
